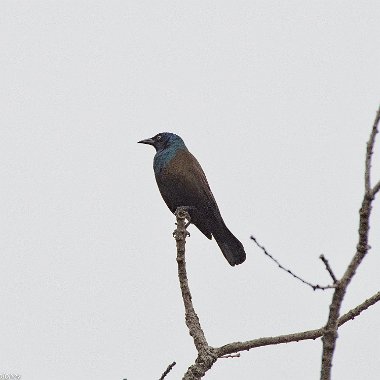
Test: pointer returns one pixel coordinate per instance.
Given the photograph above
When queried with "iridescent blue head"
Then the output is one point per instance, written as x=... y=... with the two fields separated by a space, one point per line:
x=166 y=145
x=164 y=141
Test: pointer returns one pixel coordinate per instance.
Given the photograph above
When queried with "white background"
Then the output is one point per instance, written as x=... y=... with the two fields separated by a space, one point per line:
x=275 y=99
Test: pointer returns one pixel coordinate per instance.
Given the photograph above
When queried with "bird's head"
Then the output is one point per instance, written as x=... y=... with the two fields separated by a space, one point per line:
x=164 y=140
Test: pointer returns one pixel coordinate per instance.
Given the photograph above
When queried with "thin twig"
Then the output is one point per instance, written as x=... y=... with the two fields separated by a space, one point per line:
x=313 y=286
x=170 y=367
x=375 y=189
x=353 y=313
x=327 y=265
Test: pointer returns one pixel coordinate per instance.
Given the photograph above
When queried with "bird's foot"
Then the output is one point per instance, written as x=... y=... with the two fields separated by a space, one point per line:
x=182 y=214
x=185 y=210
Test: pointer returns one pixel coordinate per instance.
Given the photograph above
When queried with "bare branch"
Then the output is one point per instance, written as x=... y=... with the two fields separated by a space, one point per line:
x=170 y=367
x=370 y=145
x=358 y=309
x=208 y=355
x=330 y=334
x=327 y=265
x=375 y=189
x=232 y=348
x=192 y=320
x=313 y=286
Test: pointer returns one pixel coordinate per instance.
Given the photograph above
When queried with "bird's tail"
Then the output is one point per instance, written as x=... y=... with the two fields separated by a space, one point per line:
x=230 y=246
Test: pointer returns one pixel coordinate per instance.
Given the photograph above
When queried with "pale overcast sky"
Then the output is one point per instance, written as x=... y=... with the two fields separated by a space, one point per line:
x=275 y=99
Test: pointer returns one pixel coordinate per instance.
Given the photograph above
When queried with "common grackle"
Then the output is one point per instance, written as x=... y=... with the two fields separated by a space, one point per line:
x=182 y=182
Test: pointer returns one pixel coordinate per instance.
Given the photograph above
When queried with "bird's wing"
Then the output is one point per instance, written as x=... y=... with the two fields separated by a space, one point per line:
x=183 y=183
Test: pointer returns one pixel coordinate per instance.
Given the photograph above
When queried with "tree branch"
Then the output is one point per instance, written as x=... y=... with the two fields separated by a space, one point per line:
x=330 y=334
x=231 y=348
x=170 y=367
x=192 y=320
x=375 y=189
x=369 y=153
x=353 y=313
x=206 y=356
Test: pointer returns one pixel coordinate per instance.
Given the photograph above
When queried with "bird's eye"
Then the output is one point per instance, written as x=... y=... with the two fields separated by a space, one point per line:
x=159 y=137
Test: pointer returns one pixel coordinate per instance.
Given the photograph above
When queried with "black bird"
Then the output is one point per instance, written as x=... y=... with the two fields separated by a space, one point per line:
x=182 y=182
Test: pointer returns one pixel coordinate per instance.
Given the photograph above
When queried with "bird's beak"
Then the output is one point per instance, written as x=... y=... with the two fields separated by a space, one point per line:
x=146 y=141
